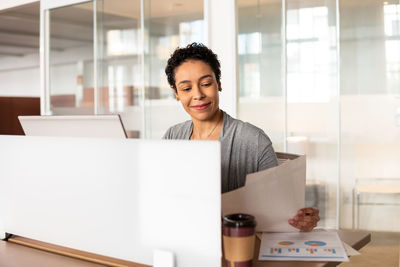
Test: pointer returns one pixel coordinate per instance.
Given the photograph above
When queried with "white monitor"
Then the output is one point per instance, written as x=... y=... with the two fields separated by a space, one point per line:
x=109 y=126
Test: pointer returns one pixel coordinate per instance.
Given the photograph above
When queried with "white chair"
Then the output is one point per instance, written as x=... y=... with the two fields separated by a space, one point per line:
x=372 y=186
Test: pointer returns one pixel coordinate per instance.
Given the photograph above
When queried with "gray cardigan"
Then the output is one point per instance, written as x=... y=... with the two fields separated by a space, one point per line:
x=244 y=149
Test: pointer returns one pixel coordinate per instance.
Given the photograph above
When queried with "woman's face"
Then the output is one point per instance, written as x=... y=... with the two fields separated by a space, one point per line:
x=197 y=89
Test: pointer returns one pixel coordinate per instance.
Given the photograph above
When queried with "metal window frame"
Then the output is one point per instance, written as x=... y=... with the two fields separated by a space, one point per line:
x=45 y=7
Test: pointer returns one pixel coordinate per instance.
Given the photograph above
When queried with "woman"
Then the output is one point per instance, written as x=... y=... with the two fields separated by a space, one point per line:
x=194 y=75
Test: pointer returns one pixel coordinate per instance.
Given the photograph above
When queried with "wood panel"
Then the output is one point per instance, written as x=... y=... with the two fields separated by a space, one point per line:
x=11 y=108
x=62 y=100
x=78 y=254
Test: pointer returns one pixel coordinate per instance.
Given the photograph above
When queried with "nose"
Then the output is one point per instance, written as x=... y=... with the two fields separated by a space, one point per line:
x=197 y=92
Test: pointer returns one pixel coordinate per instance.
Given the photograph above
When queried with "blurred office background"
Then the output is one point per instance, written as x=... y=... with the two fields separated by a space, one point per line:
x=321 y=78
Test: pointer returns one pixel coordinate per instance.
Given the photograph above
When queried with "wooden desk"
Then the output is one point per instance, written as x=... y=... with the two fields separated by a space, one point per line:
x=14 y=255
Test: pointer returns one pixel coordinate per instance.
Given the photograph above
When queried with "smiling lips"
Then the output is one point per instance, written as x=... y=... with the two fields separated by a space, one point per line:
x=202 y=106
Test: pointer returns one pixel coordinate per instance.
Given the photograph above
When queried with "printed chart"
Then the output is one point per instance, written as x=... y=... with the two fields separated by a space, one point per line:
x=314 y=246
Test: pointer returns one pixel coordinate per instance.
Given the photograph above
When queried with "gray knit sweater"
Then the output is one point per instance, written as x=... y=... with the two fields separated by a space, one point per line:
x=244 y=149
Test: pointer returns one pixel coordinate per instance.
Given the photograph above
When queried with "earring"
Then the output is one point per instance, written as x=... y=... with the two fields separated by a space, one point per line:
x=177 y=98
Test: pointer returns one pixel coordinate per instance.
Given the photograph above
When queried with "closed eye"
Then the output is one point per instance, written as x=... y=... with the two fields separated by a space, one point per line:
x=206 y=84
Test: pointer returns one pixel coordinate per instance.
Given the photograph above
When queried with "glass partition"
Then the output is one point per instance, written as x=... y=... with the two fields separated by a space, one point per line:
x=134 y=55
x=171 y=24
x=312 y=99
x=370 y=107
x=131 y=44
x=120 y=50
x=260 y=67
x=71 y=59
x=304 y=63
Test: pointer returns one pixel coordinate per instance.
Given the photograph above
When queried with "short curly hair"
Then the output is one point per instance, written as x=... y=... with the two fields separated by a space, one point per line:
x=196 y=51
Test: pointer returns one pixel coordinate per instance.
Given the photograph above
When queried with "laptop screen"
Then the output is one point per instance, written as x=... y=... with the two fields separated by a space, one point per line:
x=106 y=126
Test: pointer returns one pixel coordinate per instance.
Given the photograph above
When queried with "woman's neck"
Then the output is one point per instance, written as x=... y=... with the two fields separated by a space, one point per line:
x=209 y=129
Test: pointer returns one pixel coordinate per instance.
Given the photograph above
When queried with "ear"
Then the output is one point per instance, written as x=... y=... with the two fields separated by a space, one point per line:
x=176 y=96
x=219 y=86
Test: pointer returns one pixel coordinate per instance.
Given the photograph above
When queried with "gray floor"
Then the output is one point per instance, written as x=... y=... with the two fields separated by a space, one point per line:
x=383 y=250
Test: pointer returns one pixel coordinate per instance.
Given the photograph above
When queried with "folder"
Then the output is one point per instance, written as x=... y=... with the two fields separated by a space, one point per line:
x=273 y=196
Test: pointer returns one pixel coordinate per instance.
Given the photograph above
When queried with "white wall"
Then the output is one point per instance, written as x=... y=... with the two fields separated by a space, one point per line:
x=21 y=83
x=20 y=76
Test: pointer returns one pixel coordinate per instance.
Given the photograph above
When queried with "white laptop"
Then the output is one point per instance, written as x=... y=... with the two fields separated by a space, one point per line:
x=109 y=126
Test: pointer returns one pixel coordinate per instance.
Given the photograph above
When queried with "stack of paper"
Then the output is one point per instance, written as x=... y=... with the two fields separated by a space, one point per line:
x=313 y=246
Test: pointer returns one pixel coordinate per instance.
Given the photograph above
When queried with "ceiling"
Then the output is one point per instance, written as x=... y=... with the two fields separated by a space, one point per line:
x=19 y=31
x=73 y=26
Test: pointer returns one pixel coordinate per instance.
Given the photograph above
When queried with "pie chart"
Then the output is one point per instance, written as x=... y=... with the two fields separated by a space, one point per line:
x=315 y=243
x=286 y=243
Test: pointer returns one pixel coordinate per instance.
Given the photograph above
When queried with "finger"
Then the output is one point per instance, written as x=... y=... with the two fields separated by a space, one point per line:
x=294 y=218
x=308 y=211
x=293 y=223
x=311 y=211
x=305 y=224
x=306 y=229
x=303 y=228
x=316 y=211
x=301 y=225
x=306 y=221
x=309 y=218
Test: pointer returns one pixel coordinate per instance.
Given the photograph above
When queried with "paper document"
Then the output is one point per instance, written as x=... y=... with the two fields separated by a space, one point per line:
x=349 y=250
x=313 y=246
x=273 y=196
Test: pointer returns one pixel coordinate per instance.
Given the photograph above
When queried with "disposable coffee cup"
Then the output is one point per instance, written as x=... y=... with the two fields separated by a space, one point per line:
x=238 y=233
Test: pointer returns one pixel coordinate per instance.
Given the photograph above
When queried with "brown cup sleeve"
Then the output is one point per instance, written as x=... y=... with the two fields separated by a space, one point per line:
x=239 y=249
